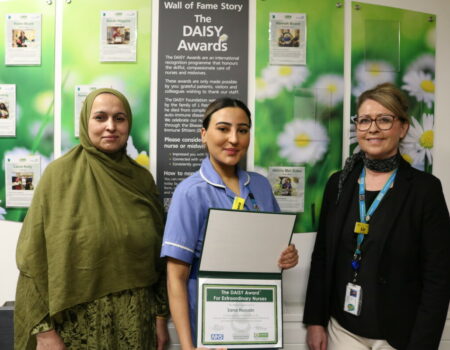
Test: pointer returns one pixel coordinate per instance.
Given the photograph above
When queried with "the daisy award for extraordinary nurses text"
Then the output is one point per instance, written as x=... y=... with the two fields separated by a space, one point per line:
x=202 y=55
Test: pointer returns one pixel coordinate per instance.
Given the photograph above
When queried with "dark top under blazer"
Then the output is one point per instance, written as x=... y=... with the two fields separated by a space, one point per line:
x=414 y=268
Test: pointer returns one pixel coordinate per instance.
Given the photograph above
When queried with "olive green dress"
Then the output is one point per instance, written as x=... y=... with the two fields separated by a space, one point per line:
x=88 y=252
x=123 y=320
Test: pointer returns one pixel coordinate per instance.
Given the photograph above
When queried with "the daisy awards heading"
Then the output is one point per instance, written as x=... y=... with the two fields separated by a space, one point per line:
x=203 y=27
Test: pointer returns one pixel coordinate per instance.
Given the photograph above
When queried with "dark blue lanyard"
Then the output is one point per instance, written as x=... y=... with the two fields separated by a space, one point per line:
x=364 y=216
x=252 y=198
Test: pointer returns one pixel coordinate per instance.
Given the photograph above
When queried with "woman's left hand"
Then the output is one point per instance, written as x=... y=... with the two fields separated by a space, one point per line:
x=289 y=257
x=162 y=333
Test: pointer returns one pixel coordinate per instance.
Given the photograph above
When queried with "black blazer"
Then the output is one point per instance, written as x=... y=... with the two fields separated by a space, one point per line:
x=413 y=287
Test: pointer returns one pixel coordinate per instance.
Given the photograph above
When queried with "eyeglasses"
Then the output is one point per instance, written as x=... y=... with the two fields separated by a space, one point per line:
x=382 y=121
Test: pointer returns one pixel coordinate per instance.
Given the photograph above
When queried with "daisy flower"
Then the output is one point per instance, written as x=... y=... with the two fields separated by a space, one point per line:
x=303 y=141
x=329 y=89
x=140 y=157
x=420 y=85
x=286 y=76
x=369 y=74
x=420 y=139
x=264 y=89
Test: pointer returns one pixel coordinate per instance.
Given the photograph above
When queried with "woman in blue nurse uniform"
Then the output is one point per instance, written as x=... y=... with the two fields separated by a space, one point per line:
x=217 y=184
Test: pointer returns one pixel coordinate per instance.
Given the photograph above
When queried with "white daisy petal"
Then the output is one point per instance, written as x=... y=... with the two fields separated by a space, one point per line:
x=429 y=156
x=131 y=149
x=428 y=121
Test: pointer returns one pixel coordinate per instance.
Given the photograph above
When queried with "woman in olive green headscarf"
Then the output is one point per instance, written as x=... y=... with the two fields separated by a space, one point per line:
x=88 y=254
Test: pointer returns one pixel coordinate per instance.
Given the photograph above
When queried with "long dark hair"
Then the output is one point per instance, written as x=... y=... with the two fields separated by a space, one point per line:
x=224 y=102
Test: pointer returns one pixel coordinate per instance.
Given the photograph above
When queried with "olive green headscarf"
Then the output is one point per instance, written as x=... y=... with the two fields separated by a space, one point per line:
x=94 y=228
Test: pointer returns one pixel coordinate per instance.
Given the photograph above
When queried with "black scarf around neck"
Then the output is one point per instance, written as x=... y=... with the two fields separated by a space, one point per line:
x=381 y=165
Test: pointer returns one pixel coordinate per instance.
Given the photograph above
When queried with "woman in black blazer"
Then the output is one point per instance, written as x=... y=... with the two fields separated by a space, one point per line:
x=380 y=270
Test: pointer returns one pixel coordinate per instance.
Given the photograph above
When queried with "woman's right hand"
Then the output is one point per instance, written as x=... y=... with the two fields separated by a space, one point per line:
x=316 y=337
x=49 y=341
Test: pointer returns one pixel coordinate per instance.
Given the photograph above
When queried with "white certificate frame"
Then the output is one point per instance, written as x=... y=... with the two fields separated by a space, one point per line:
x=255 y=241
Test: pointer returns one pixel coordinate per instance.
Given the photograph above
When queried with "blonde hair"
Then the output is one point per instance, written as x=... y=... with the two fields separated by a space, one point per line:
x=390 y=97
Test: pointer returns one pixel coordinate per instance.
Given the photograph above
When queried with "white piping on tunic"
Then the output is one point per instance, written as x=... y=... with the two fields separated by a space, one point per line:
x=211 y=183
x=219 y=185
x=179 y=246
x=248 y=179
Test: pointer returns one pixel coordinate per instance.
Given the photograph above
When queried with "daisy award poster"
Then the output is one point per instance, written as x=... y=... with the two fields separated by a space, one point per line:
x=299 y=108
x=397 y=46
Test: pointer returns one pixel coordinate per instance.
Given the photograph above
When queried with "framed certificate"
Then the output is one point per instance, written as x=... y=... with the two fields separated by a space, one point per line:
x=240 y=289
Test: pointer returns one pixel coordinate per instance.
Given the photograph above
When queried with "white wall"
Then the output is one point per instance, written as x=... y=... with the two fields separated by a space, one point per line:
x=9 y=232
x=295 y=280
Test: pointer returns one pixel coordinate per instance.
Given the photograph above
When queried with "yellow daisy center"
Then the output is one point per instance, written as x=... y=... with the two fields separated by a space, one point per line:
x=426 y=139
x=427 y=86
x=143 y=160
x=285 y=71
x=302 y=140
x=261 y=84
x=375 y=69
x=407 y=157
x=332 y=88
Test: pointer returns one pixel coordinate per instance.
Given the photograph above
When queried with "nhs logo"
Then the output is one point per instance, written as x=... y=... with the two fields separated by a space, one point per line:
x=216 y=336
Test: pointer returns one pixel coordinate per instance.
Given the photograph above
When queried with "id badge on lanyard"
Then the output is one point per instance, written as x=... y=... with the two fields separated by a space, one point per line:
x=353 y=299
x=238 y=203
